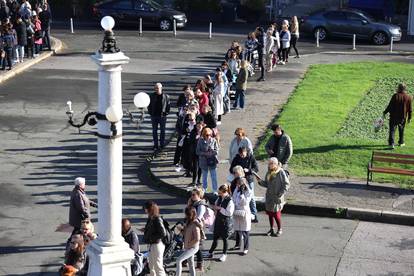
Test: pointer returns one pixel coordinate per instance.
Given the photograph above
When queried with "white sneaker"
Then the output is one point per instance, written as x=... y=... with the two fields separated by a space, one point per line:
x=223 y=258
x=245 y=252
x=219 y=123
x=178 y=168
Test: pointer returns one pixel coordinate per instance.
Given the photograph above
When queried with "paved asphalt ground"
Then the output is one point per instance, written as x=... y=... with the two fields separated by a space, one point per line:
x=41 y=155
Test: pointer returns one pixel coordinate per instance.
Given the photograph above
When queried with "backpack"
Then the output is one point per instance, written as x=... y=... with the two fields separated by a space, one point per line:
x=168 y=238
x=208 y=217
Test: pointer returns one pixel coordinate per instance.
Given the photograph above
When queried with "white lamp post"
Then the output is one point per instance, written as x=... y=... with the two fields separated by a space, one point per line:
x=109 y=254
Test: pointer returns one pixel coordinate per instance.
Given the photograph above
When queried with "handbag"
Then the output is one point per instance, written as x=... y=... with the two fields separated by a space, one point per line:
x=239 y=213
x=212 y=161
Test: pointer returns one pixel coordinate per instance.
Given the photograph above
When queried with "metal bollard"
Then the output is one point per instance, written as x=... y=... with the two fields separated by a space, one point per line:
x=210 y=32
x=175 y=28
x=140 y=26
x=317 y=39
x=354 y=42
x=71 y=25
x=391 y=44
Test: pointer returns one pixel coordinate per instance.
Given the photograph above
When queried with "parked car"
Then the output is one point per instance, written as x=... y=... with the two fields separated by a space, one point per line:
x=347 y=22
x=130 y=11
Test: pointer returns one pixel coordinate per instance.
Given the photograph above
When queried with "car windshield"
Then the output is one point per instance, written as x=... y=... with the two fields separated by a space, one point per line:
x=369 y=17
x=153 y=4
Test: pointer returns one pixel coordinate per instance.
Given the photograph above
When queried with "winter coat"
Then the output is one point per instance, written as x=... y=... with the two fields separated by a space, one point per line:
x=235 y=146
x=207 y=149
x=277 y=184
x=400 y=108
x=285 y=148
x=45 y=18
x=165 y=104
x=223 y=224
x=21 y=33
x=131 y=238
x=241 y=82
x=189 y=146
x=285 y=39
x=269 y=44
x=79 y=207
x=154 y=230
x=249 y=162
x=218 y=93
x=192 y=235
x=209 y=120
x=38 y=32
x=241 y=205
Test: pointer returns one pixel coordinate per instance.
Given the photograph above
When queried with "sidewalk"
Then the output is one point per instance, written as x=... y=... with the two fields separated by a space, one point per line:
x=316 y=196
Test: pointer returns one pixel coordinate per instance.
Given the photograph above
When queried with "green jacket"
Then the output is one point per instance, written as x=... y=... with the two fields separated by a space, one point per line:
x=241 y=82
x=277 y=185
x=285 y=148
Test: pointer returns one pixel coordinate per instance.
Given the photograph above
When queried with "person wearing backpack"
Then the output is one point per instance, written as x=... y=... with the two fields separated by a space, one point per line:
x=154 y=232
x=223 y=225
x=192 y=237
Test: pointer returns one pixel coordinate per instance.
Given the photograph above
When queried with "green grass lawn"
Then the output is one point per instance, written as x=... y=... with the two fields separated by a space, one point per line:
x=330 y=119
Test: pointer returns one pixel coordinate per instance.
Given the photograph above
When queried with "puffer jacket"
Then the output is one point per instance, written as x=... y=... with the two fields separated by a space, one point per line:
x=154 y=230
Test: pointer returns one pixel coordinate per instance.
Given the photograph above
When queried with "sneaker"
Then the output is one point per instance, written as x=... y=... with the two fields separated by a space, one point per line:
x=255 y=220
x=178 y=168
x=297 y=56
x=223 y=258
x=245 y=252
x=402 y=145
x=218 y=123
x=279 y=233
x=271 y=232
x=392 y=147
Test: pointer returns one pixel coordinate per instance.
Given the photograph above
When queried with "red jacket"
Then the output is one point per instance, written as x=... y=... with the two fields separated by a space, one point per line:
x=202 y=101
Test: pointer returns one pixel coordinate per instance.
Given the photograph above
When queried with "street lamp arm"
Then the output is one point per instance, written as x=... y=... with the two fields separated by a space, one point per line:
x=90 y=118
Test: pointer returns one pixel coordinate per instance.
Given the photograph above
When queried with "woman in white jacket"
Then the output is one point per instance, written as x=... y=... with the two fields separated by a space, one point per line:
x=218 y=93
x=269 y=45
x=242 y=215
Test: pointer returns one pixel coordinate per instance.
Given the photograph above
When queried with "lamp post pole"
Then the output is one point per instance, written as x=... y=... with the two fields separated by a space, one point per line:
x=109 y=254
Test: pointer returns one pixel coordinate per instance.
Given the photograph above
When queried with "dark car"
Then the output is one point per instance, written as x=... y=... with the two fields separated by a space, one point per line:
x=128 y=12
x=347 y=22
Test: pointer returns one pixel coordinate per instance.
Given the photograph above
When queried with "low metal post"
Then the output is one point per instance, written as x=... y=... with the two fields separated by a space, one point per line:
x=354 y=42
x=175 y=28
x=210 y=32
x=391 y=44
x=140 y=26
x=71 y=25
x=317 y=39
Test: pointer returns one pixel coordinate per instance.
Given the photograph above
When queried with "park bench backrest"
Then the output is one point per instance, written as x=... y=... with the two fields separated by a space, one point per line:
x=393 y=158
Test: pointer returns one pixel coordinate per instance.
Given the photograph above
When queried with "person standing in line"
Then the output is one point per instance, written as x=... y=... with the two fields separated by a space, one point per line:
x=218 y=92
x=280 y=146
x=158 y=109
x=285 y=41
x=261 y=51
x=240 y=140
x=277 y=184
x=207 y=151
x=294 y=28
x=45 y=19
x=8 y=44
x=21 y=37
x=241 y=84
x=79 y=209
x=154 y=232
x=192 y=238
x=400 y=109
x=38 y=41
x=223 y=225
x=269 y=45
x=199 y=204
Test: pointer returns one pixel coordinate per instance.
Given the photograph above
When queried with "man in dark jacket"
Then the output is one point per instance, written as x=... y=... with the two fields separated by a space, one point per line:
x=400 y=110
x=130 y=235
x=79 y=204
x=45 y=19
x=280 y=146
x=249 y=165
x=158 y=109
x=260 y=34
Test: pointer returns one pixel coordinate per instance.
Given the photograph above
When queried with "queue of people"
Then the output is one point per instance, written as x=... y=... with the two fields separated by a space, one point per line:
x=25 y=31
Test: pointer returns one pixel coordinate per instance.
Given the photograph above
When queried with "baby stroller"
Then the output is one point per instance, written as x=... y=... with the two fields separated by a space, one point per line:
x=171 y=252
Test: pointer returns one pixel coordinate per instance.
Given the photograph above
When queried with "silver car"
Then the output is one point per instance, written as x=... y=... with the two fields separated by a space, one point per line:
x=346 y=23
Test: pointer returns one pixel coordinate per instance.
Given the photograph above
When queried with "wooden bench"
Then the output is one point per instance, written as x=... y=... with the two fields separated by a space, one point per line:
x=390 y=158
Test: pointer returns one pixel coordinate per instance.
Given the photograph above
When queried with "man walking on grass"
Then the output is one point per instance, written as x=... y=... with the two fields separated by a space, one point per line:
x=400 y=110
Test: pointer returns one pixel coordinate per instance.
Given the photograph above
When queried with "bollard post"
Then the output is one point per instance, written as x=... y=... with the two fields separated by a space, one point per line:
x=210 y=32
x=391 y=44
x=71 y=25
x=175 y=28
x=354 y=42
x=140 y=26
x=317 y=39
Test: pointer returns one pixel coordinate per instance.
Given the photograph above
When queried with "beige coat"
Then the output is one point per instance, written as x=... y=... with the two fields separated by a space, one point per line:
x=277 y=184
x=192 y=235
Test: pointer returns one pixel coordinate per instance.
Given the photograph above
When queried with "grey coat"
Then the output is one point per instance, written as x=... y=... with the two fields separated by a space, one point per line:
x=285 y=148
x=277 y=184
x=79 y=207
x=206 y=149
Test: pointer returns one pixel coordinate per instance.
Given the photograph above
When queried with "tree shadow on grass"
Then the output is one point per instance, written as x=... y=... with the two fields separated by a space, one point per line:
x=328 y=148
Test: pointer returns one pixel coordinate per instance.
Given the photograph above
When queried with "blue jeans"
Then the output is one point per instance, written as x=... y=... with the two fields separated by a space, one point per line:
x=252 y=203
x=161 y=121
x=239 y=98
x=213 y=174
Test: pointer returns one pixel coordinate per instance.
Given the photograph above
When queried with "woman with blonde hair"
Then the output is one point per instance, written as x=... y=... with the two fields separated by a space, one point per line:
x=207 y=151
x=285 y=41
x=294 y=29
x=277 y=184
